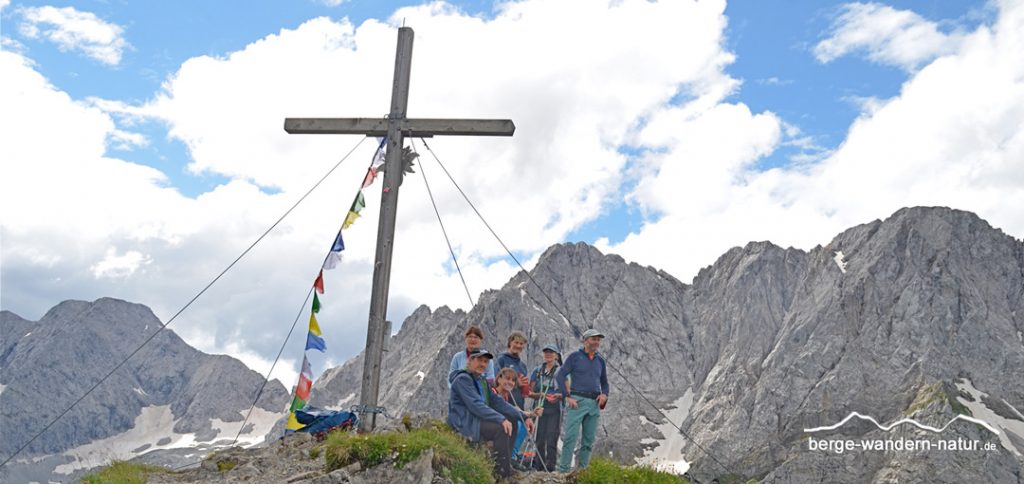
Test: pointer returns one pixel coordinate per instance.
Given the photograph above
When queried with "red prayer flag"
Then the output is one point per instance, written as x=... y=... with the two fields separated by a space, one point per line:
x=371 y=174
x=302 y=389
x=319 y=282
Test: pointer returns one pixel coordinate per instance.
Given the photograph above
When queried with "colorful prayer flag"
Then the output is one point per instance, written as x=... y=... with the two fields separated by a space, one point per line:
x=332 y=261
x=293 y=423
x=306 y=368
x=297 y=403
x=349 y=219
x=319 y=282
x=339 y=243
x=334 y=257
x=359 y=203
x=313 y=326
x=302 y=389
x=301 y=395
x=371 y=174
x=314 y=342
x=316 y=304
x=379 y=155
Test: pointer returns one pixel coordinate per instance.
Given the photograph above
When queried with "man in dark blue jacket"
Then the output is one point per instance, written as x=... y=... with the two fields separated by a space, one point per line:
x=589 y=393
x=479 y=414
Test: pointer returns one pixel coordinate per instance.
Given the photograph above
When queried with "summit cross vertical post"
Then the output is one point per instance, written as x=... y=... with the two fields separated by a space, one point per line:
x=396 y=127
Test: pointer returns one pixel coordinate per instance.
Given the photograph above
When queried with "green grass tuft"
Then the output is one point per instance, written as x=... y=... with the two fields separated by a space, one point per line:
x=454 y=458
x=121 y=472
x=226 y=465
x=938 y=392
x=604 y=471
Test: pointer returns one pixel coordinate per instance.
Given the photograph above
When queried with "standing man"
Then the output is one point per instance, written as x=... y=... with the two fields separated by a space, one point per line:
x=474 y=337
x=511 y=359
x=479 y=414
x=589 y=393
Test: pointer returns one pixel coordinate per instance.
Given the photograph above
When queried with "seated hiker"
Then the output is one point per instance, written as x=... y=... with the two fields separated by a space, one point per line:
x=474 y=338
x=479 y=414
x=546 y=396
x=504 y=385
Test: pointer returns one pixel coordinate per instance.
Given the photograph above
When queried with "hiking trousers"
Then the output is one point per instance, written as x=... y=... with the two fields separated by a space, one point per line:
x=490 y=431
x=547 y=439
x=585 y=415
x=520 y=434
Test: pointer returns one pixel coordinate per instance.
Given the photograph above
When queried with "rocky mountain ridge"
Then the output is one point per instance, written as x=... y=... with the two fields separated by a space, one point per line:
x=904 y=317
x=768 y=356
x=169 y=398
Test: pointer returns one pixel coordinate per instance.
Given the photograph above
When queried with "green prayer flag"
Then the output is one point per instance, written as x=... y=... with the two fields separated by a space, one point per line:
x=316 y=303
x=297 y=404
x=359 y=203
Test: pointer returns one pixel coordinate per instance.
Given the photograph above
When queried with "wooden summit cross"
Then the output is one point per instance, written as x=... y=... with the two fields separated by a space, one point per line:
x=395 y=127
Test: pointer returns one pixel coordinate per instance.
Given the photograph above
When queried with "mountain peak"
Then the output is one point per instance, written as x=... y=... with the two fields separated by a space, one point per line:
x=571 y=250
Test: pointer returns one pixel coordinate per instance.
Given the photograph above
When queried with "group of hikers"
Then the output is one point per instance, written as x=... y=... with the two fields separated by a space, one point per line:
x=488 y=401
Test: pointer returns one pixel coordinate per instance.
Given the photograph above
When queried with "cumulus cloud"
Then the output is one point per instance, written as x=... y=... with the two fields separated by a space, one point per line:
x=74 y=30
x=114 y=265
x=886 y=35
x=952 y=137
x=576 y=99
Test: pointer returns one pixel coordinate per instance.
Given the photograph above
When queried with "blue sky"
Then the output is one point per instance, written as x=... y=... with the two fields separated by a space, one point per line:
x=666 y=132
x=771 y=41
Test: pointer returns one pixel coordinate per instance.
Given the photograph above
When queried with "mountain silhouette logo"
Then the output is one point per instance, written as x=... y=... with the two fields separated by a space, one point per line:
x=901 y=422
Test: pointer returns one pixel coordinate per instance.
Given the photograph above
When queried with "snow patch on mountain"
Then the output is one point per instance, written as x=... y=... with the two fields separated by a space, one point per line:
x=981 y=411
x=840 y=261
x=150 y=434
x=668 y=454
x=257 y=428
x=150 y=427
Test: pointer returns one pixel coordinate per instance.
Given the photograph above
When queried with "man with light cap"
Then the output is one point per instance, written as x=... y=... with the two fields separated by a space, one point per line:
x=589 y=376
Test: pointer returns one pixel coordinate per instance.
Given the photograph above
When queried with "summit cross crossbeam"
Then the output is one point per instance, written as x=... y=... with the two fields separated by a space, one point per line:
x=395 y=127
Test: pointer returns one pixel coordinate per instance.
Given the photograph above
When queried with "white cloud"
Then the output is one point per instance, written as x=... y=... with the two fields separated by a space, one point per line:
x=332 y=3
x=900 y=38
x=73 y=30
x=575 y=99
x=119 y=266
x=126 y=140
x=952 y=137
x=4 y=4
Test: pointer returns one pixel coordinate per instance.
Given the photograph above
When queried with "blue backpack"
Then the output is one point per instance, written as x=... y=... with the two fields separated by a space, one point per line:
x=319 y=422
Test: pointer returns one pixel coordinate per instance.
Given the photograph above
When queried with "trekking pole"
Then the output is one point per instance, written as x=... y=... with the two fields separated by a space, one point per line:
x=526 y=449
x=534 y=442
